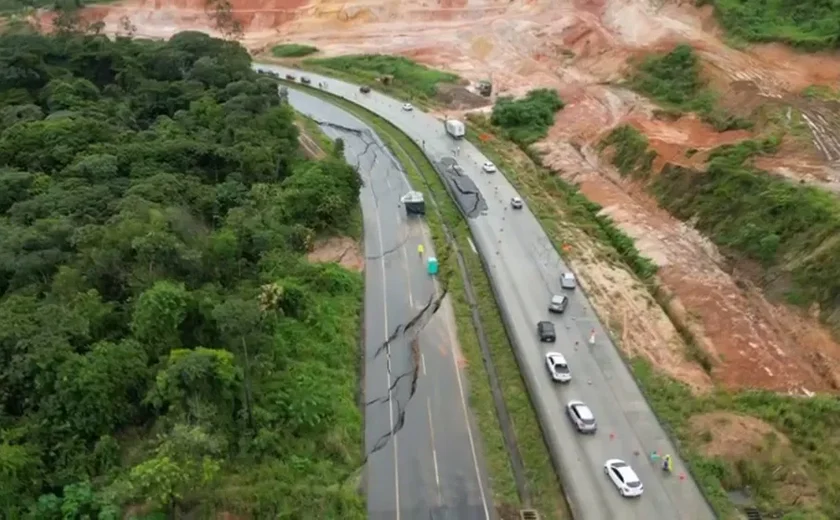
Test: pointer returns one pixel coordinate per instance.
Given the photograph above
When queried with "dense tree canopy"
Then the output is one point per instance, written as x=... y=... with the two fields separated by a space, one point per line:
x=165 y=346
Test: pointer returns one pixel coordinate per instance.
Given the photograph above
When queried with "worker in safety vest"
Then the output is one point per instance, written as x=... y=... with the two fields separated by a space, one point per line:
x=667 y=463
x=420 y=249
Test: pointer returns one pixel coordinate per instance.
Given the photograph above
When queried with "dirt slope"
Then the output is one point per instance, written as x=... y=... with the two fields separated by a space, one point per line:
x=579 y=47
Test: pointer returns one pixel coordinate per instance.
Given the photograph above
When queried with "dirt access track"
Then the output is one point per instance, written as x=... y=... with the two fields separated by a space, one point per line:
x=581 y=48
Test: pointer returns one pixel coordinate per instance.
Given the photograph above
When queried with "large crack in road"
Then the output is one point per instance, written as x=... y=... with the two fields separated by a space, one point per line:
x=410 y=329
x=465 y=191
x=415 y=325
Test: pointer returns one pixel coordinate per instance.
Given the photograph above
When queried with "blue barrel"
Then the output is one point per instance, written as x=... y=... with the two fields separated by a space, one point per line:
x=433 y=265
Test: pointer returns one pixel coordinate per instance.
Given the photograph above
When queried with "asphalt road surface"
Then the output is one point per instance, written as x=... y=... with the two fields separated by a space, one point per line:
x=524 y=269
x=423 y=452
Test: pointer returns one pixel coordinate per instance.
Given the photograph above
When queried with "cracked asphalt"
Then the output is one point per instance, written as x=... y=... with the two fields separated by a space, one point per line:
x=467 y=194
x=524 y=268
x=424 y=458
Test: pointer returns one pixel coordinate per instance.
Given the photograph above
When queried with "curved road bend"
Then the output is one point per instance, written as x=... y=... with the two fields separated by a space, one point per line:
x=424 y=456
x=524 y=269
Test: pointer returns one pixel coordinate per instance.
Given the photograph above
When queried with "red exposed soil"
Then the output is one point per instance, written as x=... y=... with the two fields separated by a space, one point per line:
x=341 y=250
x=581 y=48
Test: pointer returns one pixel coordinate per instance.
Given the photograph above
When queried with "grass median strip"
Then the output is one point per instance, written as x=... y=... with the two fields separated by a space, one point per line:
x=407 y=80
x=311 y=129
x=542 y=481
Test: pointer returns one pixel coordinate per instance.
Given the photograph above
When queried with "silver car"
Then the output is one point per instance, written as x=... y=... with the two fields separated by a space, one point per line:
x=558 y=304
x=581 y=416
x=568 y=281
x=558 y=367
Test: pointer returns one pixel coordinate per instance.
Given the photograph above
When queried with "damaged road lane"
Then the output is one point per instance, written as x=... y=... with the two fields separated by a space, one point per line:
x=423 y=454
x=466 y=193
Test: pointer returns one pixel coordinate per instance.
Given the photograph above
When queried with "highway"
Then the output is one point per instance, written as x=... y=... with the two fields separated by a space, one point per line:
x=424 y=455
x=524 y=269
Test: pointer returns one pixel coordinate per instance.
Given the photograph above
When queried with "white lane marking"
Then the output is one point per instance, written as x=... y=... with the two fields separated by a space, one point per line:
x=434 y=451
x=472 y=245
x=467 y=421
x=388 y=373
x=408 y=274
x=423 y=362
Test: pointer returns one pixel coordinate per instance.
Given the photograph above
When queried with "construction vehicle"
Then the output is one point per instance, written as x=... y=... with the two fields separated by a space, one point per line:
x=455 y=128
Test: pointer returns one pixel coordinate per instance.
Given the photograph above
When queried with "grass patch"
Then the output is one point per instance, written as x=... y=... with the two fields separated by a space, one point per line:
x=527 y=120
x=673 y=80
x=812 y=426
x=407 y=79
x=292 y=50
x=788 y=121
x=542 y=480
x=807 y=24
x=631 y=155
x=313 y=130
x=821 y=92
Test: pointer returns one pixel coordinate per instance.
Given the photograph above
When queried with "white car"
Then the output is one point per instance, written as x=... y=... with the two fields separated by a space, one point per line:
x=568 y=281
x=408 y=107
x=488 y=167
x=624 y=478
x=581 y=416
x=516 y=203
x=558 y=367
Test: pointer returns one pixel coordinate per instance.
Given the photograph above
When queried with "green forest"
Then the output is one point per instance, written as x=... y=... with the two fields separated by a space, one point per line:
x=166 y=347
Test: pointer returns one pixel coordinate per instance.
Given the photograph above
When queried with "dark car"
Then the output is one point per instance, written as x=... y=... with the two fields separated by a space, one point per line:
x=290 y=77
x=364 y=89
x=545 y=329
x=558 y=303
x=305 y=80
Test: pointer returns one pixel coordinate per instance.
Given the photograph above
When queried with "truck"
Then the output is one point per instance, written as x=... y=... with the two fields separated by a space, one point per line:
x=414 y=203
x=454 y=128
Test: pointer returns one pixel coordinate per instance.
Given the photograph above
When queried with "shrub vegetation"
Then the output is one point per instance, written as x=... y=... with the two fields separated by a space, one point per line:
x=809 y=24
x=292 y=50
x=791 y=229
x=407 y=77
x=673 y=80
x=812 y=425
x=164 y=341
x=527 y=120
x=631 y=155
